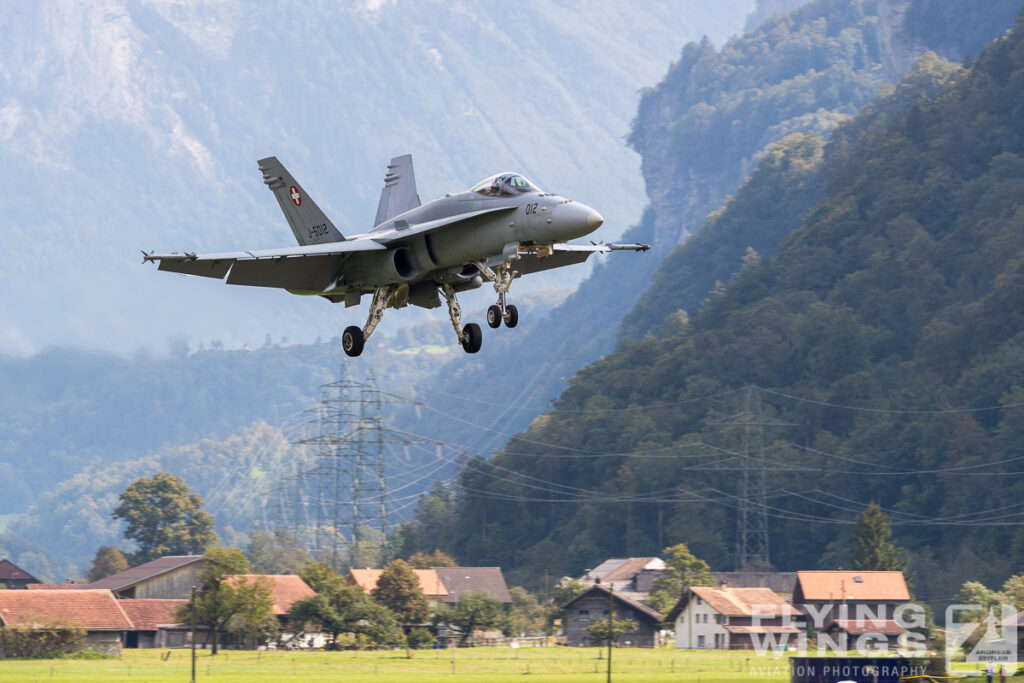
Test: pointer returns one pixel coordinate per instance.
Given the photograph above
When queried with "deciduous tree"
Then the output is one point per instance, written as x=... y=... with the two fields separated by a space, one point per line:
x=599 y=631
x=476 y=610
x=421 y=560
x=108 y=561
x=164 y=518
x=338 y=608
x=227 y=602
x=399 y=590
x=682 y=570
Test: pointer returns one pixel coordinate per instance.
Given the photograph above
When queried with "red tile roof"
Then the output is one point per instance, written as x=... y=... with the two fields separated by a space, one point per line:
x=836 y=586
x=743 y=602
x=430 y=583
x=286 y=589
x=93 y=610
x=761 y=629
x=628 y=569
x=148 y=615
x=55 y=586
x=886 y=627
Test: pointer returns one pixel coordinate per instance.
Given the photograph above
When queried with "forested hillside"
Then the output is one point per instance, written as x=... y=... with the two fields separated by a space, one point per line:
x=772 y=73
x=880 y=354
x=771 y=204
x=700 y=132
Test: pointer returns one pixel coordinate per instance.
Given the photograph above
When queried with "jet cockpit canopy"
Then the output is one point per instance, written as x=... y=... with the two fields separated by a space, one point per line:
x=504 y=185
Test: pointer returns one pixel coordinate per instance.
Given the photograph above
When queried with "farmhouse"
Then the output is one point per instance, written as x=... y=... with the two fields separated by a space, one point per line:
x=168 y=578
x=728 y=618
x=96 y=611
x=633 y=575
x=593 y=605
x=853 y=604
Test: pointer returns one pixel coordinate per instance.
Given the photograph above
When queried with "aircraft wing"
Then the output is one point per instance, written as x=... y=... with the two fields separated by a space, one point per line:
x=313 y=267
x=399 y=229
x=567 y=255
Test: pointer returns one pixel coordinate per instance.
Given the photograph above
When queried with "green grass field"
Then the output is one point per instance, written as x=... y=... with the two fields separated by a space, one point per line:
x=490 y=664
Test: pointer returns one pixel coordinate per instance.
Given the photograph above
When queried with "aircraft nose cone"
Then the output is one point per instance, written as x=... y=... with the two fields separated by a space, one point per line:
x=594 y=220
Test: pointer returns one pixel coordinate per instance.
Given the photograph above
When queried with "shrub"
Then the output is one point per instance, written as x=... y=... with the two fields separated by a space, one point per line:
x=43 y=637
x=420 y=639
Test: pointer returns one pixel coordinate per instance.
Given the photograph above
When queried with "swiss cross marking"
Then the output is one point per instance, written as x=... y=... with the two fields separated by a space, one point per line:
x=293 y=192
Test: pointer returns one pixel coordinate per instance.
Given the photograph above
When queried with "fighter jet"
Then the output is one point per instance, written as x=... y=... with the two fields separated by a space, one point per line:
x=502 y=228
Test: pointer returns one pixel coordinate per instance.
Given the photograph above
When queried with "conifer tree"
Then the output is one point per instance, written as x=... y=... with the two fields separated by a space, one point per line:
x=873 y=550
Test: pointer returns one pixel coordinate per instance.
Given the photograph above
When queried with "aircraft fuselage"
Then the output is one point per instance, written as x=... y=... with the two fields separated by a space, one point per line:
x=525 y=220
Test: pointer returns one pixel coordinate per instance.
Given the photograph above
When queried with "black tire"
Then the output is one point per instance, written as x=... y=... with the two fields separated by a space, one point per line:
x=494 y=316
x=511 y=316
x=352 y=341
x=474 y=338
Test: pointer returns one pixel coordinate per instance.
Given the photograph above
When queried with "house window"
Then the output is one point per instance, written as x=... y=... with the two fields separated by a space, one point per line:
x=699 y=601
x=700 y=641
x=719 y=619
x=584 y=615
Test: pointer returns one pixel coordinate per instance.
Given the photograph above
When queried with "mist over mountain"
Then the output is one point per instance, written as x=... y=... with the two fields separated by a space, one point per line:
x=136 y=125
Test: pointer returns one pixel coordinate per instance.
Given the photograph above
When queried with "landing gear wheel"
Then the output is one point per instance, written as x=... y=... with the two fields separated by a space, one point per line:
x=511 y=316
x=352 y=340
x=474 y=338
x=494 y=316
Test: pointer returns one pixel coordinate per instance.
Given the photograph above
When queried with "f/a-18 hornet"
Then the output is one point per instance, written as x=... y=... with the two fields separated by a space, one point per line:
x=502 y=228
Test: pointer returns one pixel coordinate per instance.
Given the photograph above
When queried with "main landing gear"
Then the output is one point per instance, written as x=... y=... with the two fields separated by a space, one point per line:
x=353 y=339
x=470 y=336
x=496 y=313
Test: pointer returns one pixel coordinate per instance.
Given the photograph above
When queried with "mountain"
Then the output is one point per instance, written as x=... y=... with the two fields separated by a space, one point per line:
x=877 y=356
x=136 y=125
x=700 y=132
x=74 y=411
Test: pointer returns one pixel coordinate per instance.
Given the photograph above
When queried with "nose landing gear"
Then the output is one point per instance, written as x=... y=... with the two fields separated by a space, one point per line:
x=502 y=279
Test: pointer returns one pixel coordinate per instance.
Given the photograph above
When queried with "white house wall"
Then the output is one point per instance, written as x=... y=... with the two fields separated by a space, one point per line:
x=688 y=635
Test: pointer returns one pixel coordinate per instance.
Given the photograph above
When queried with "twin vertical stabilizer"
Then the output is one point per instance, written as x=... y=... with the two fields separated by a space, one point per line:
x=399 y=193
x=307 y=221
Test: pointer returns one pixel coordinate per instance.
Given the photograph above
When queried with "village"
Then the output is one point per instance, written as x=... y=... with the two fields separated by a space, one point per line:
x=141 y=607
